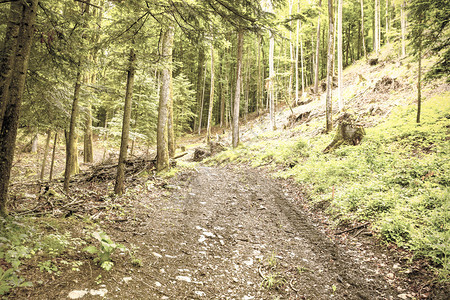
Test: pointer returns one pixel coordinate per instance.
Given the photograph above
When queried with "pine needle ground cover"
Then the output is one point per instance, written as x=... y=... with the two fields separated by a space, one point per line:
x=397 y=179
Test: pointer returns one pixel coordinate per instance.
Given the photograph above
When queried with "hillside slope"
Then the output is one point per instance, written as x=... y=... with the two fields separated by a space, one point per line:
x=396 y=181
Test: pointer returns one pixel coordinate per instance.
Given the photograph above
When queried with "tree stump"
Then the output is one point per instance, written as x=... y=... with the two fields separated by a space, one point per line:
x=347 y=133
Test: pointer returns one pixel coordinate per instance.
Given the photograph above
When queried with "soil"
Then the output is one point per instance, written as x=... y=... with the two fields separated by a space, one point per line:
x=229 y=232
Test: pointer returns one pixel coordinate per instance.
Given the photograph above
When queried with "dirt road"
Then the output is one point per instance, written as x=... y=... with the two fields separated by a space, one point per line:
x=229 y=233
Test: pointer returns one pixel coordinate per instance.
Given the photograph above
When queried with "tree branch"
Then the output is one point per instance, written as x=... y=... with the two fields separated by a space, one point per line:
x=88 y=3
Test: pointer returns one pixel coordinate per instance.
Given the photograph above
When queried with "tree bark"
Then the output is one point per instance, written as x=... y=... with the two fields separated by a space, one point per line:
x=7 y=54
x=237 y=94
x=419 y=77
x=88 y=156
x=202 y=103
x=316 y=73
x=362 y=30
x=375 y=38
x=211 y=97
x=44 y=159
x=71 y=144
x=162 y=148
x=259 y=90
x=296 y=56
x=53 y=157
x=120 y=177
x=403 y=25
x=330 y=58
x=15 y=89
x=222 y=91
x=339 y=50
x=199 y=86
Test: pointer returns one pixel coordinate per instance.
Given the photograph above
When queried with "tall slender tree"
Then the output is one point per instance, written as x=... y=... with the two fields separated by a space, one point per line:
x=162 y=148
x=237 y=94
x=339 y=50
x=120 y=177
x=316 y=71
x=330 y=71
x=211 y=96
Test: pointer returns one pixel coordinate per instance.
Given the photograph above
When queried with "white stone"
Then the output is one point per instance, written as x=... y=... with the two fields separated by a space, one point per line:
x=200 y=293
x=202 y=239
x=157 y=255
x=158 y=284
x=77 y=294
x=100 y=292
x=126 y=279
x=208 y=234
x=249 y=262
x=183 y=278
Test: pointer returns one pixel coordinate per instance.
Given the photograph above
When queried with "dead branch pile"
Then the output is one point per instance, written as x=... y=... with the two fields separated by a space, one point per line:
x=104 y=172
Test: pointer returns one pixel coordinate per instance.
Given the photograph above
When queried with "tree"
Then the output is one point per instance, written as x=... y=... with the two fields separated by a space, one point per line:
x=362 y=30
x=162 y=148
x=120 y=177
x=211 y=96
x=339 y=38
x=316 y=71
x=330 y=59
x=71 y=137
x=237 y=94
x=13 y=86
x=403 y=27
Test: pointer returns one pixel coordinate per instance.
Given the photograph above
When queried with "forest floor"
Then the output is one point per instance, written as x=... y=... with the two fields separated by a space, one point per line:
x=229 y=232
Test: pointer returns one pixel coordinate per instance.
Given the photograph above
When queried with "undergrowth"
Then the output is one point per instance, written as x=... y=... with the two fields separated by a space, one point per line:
x=48 y=245
x=398 y=178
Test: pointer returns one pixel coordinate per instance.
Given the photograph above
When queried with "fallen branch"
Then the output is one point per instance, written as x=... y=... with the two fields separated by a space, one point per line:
x=261 y=274
x=292 y=286
x=351 y=229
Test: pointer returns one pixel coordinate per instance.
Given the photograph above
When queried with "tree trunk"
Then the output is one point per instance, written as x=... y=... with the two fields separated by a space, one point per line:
x=211 y=97
x=387 y=21
x=34 y=143
x=15 y=89
x=71 y=144
x=259 y=88
x=7 y=54
x=162 y=147
x=44 y=159
x=222 y=91
x=302 y=65
x=291 y=55
x=375 y=37
x=419 y=77
x=296 y=56
x=237 y=94
x=403 y=25
x=170 y=124
x=316 y=73
x=330 y=58
x=362 y=30
x=199 y=87
x=202 y=103
x=120 y=177
x=339 y=50
x=88 y=156
x=53 y=157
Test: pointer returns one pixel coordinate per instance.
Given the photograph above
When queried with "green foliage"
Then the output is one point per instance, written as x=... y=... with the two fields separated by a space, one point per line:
x=273 y=281
x=105 y=250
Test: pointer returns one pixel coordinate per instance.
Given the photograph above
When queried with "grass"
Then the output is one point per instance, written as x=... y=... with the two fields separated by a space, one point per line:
x=398 y=178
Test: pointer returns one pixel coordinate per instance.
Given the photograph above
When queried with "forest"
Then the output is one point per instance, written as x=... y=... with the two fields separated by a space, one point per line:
x=186 y=149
